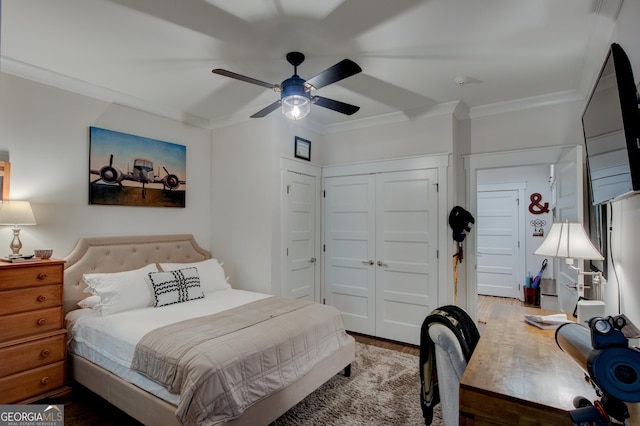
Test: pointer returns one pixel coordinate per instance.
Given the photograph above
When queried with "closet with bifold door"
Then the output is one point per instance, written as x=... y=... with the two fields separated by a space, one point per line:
x=381 y=239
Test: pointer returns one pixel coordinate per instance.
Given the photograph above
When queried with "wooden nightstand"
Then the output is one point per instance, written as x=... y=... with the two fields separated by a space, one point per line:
x=32 y=335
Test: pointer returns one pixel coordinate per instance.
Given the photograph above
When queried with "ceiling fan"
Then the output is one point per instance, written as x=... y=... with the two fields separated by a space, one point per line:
x=296 y=94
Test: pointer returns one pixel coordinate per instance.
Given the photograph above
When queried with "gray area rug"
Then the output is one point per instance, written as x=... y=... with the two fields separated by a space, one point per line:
x=384 y=389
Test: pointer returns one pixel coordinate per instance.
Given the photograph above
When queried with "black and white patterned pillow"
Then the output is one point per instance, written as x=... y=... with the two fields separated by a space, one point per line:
x=176 y=286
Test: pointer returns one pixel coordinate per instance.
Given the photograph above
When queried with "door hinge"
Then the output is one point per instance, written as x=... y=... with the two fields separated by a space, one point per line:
x=288 y=188
x=324 y=194
x=287 y=251
x=324 y=302
x=437 y=254
x=437 y=187
x=324 y=247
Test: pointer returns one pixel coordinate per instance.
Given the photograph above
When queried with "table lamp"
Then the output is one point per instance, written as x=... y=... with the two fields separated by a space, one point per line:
x=16 y=213
x=569 y=240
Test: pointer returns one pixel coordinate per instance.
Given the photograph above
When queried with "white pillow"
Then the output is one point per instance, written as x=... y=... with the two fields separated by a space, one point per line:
x=90 y=302
x=211 y=273
x=176 y=286
x=122 y=291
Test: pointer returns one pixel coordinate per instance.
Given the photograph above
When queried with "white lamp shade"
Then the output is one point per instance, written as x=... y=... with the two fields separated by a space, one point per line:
x=568 y=240
x=16 y=213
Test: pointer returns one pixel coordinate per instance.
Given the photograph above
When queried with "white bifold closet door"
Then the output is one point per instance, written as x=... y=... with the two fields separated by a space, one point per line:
x=381 y=251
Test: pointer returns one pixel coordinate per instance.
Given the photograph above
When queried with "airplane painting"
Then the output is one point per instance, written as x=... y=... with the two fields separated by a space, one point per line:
x=142 y=173
x=122 y=170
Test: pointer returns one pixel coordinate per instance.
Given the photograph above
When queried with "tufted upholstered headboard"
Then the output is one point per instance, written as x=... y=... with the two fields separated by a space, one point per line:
x=116 y=254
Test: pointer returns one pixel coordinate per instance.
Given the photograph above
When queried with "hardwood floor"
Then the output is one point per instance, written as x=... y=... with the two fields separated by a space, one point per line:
x=387 y=344
x=86 y=408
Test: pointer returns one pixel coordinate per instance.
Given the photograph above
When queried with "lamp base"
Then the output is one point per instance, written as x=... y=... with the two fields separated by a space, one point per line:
x=16 y=244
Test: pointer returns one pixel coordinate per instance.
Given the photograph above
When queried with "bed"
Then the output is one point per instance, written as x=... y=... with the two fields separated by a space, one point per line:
x=147 y=401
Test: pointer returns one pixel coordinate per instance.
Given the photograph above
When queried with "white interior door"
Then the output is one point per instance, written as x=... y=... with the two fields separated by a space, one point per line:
x=301 y=247
x=350 y=250
x=407 y=252
x=499 y=258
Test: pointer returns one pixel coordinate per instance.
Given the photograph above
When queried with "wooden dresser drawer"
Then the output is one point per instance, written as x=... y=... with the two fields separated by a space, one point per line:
x=32 y=354
x=30 y=323
x=22 y=276
x=33 y=382
x=29 y=299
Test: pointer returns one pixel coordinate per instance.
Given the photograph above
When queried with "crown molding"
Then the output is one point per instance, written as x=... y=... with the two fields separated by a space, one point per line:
x=447 y=108
x=526 y=103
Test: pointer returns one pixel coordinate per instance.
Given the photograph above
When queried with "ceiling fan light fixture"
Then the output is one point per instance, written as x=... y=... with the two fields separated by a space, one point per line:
x=295 y=101
x=296 y=107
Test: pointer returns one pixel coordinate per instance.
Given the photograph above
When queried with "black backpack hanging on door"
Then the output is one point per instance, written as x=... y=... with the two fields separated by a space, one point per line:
x=460 y=222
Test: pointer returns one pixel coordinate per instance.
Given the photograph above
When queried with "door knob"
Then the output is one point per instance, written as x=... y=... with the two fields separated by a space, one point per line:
x=381 y=263
x=367 y=262
x=312 y=260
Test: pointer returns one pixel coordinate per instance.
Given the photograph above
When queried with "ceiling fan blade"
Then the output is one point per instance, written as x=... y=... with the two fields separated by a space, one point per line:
x=342 y=107
x=269 y=108
x=343 y=69
x=231 y=74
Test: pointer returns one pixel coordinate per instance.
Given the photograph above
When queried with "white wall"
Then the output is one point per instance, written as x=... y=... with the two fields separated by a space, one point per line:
x=431 y=134
x=46 y=132
x=552 y=125
x=624 y=270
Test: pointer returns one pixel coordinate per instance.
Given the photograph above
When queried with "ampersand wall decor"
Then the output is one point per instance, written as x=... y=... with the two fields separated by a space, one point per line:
x=535 y=207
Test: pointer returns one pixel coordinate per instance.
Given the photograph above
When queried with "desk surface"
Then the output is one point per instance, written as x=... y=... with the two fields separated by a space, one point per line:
x=519 y=376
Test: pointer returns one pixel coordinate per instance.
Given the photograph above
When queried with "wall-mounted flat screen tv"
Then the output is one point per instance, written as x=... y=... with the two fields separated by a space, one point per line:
x=611 y=124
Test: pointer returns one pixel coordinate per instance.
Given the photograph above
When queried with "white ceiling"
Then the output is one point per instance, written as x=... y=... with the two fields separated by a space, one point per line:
x=158 y=54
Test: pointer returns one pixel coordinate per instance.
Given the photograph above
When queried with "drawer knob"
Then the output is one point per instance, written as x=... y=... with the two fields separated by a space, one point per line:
x=44 y=380
x=45 y=353
x=42 y=298
x=42 y=321
x=42 y=276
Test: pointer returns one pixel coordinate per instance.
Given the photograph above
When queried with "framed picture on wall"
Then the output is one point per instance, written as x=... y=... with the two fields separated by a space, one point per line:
x=303 y=148
x=131 y=170
x=5 y=171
